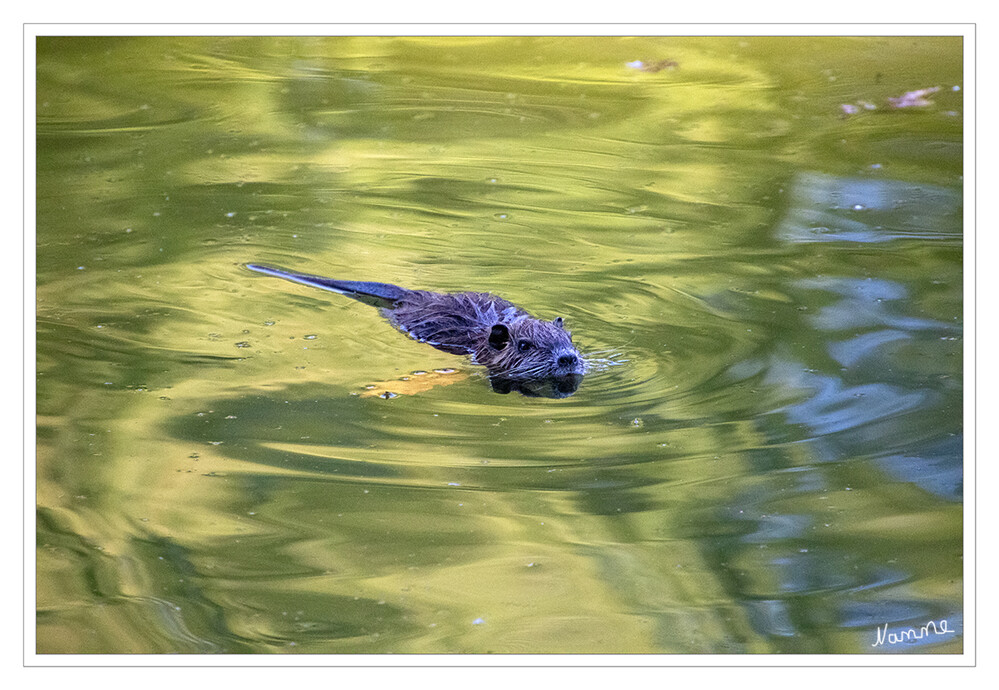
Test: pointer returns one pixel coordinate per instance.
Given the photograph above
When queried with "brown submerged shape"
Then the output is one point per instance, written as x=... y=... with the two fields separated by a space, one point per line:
x=521 y=353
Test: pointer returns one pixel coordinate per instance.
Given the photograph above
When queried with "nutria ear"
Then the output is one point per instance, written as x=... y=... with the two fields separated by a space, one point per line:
x=499 y=336
x=558 y=321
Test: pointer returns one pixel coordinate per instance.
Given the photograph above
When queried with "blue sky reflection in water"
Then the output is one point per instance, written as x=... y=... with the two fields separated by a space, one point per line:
x=775 y=465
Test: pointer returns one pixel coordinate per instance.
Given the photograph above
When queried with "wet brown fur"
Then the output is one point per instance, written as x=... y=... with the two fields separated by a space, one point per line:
x=466 y=322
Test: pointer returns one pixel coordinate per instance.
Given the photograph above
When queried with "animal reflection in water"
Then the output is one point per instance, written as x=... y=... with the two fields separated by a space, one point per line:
x=521 y=353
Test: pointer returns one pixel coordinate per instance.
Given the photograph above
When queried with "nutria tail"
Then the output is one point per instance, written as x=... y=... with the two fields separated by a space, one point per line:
x=377 y=294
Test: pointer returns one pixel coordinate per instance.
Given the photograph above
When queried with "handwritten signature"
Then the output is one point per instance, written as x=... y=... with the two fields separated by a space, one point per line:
x=911 y=634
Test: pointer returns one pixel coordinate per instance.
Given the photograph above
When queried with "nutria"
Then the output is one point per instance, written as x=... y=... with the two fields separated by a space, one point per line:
x=521 y=353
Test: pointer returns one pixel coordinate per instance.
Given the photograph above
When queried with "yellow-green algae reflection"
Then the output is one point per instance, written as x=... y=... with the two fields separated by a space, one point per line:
x=771 y=253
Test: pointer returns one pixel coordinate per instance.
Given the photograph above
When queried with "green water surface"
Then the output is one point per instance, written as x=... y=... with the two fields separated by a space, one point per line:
x=772 y=465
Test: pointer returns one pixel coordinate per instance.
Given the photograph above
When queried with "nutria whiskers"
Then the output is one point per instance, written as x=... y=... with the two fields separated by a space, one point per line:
x=520 y=352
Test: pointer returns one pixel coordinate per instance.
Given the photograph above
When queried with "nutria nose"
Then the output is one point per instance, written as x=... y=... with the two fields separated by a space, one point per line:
x=567 y=360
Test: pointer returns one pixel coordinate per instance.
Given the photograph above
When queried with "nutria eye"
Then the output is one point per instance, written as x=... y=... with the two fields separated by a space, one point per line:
x=524 y=345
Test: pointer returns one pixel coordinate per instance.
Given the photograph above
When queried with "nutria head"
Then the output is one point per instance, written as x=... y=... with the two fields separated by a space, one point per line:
x=529 y=354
